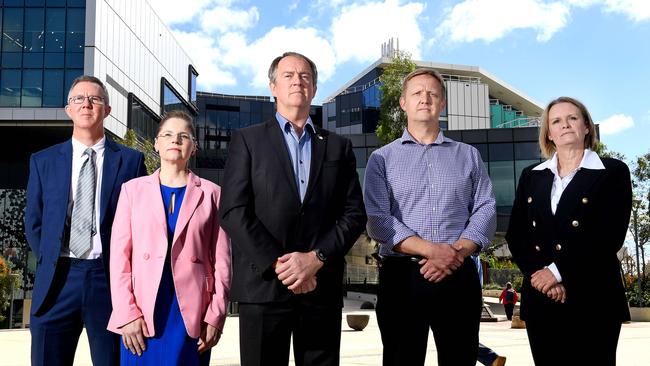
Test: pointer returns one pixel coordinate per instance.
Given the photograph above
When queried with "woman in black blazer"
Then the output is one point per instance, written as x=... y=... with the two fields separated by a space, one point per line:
x=568 y=221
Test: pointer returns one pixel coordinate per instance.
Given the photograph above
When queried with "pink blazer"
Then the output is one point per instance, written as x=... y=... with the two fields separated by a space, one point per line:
x=200 y=255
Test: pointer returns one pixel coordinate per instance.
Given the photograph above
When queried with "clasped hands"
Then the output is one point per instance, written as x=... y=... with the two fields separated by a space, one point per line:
x=545 y=282
x=442 y=260
x=298 y=270
x=135 y=332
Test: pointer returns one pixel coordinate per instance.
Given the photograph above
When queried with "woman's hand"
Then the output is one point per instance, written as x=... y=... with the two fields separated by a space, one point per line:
x=543 y=280
x=557 y=293
x=209 y=337
x=133 y=335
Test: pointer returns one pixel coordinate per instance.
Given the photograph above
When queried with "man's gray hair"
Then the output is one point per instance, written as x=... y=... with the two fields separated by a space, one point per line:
x=90 y=79
x=273 y=69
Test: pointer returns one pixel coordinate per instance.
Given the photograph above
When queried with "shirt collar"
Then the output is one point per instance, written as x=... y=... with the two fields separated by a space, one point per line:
x=590 y=160
x=78 y=148
x=285 y=125
x=408 y=138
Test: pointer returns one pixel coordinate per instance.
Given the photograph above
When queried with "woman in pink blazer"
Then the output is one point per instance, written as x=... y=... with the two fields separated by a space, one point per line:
x=170 y=259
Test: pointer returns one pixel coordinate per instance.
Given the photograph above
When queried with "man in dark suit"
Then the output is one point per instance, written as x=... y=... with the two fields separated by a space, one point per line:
x=72 y=194
x=292 y=205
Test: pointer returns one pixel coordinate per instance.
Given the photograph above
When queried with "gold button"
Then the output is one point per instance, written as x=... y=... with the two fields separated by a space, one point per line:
x=530 y=199
x=537 y=248
x=585 y=200
x=534 y=223
x=575 y=223
x=558 y=246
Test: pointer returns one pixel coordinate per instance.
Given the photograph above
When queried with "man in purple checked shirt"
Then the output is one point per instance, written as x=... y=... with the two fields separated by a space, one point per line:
x=430 y=205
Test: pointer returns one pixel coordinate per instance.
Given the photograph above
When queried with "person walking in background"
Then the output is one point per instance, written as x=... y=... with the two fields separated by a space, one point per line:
x=72 y=193
x=430 y=205
x=569 y=219
x=509 y=298
x=293 y=207
x=170 y=259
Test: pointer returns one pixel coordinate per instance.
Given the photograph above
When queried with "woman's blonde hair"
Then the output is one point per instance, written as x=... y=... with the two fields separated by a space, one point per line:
x=547 y=146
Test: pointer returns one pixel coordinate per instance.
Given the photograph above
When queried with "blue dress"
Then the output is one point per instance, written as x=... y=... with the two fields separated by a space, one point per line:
x=171 y=345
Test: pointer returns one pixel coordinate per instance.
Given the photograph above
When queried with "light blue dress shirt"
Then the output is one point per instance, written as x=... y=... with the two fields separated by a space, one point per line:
x=299 y=149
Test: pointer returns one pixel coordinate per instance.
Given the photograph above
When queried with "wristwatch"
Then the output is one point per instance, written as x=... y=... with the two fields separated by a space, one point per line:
x=319 y=254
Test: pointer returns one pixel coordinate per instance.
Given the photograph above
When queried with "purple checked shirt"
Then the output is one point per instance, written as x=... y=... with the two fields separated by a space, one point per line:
x=440 y=192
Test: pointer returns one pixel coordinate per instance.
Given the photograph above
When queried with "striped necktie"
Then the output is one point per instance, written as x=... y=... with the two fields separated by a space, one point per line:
x=82 y=226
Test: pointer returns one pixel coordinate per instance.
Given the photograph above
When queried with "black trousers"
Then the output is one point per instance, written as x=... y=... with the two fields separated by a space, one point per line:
x=265 y=332
x=559 y=339
x=509 y=308
x=408 y=306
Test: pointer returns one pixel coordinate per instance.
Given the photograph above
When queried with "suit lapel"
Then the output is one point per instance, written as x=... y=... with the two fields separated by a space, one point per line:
x=280 y=147
x=318 y=148
x=577 y=188
x=153 y=196
x=191 y=200
x=63 y=174
x=112 y=161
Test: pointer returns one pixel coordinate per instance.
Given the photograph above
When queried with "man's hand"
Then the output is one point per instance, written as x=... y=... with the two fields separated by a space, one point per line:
x=209 y=337
x=543 y=280
x=440 y=261
x=557 y=293
x=464 y=247
x=297 y=269
x=431 y=272
x=133 y=335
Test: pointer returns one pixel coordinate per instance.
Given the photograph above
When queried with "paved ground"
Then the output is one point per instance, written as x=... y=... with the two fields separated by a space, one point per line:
x=364 y=347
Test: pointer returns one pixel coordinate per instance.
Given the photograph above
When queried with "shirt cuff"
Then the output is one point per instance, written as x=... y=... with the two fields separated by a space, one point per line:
x=553 y=268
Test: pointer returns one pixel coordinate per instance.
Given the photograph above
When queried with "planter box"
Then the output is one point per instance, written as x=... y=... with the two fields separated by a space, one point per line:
x=640 y=314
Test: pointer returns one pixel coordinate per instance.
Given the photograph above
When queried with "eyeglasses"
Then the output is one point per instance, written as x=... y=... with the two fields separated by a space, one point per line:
x=93 y=99
x=184 y=136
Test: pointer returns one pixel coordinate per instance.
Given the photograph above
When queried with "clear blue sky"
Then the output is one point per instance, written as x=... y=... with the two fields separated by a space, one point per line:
x=595 y=50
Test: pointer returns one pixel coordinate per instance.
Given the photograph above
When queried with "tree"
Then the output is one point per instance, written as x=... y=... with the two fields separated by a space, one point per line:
x=602 y=151
x=131 y=140
x=13 y=243
x=392 y=118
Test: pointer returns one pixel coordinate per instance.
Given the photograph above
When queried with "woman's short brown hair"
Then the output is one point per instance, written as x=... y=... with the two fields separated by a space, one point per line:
x=547 y=146
x=180 y=115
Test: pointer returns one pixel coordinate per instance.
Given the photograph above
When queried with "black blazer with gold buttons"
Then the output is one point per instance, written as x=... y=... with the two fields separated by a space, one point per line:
x=581 y=238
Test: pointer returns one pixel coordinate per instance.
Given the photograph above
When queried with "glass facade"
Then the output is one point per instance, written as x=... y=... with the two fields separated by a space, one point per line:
x=172 y=100
x=141 y=119
x=193 y=74
x=42 y=51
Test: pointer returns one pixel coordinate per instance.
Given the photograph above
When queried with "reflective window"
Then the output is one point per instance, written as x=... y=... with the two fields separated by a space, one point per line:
x=34 y=2
x=53 y=88
x=34 y=29
x=141 y=120
x=55 y=2
x=499 y=152
x=54 y=30
x=32 y=88
x=171 y=100
x=75 y=30
x=10 y=88
x=12 y=31
x=527 y=150
x=503 y=182
x=193 y=76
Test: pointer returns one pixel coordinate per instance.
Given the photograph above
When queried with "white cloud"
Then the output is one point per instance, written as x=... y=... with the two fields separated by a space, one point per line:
x=254 y=58
x=637 y=10
x=489 y=20
x=172 y=12
x=223 y=19
x=615 y=124
x=207 y=59
x=359 y=30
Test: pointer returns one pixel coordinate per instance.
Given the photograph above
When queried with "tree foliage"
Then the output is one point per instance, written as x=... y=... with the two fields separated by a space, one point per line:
x=151 y=160
x=392 y=119
x=8 y=282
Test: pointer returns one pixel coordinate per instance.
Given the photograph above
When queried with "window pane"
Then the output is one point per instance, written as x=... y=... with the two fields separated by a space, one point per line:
x=53 y=60
x=10 y=88
x=193 y=88
x=527 y=151
x=75 y=31
x=520 y=165
x=12 y=32
x=76 y=2
x=12 y=60
x=55 y=2
x=502 y=176
x=74 y=60
x=53 y=88
x=32 y=88
x=33 y=60
x=142 y=122
x=70 y=75
x=499 y=152
x=34 y=29
x=34 y=2
x=54 y=30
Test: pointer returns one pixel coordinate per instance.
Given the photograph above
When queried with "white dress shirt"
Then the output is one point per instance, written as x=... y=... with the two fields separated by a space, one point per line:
x=78 y=158
x=590 y=160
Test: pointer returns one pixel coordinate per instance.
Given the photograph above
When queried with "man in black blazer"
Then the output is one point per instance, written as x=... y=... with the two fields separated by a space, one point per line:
x=71 y=289
x=292 y=205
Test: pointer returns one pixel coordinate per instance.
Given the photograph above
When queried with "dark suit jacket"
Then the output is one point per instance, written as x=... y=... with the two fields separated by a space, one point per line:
x=582 y=239
x=48 y=193
x=262 y=212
